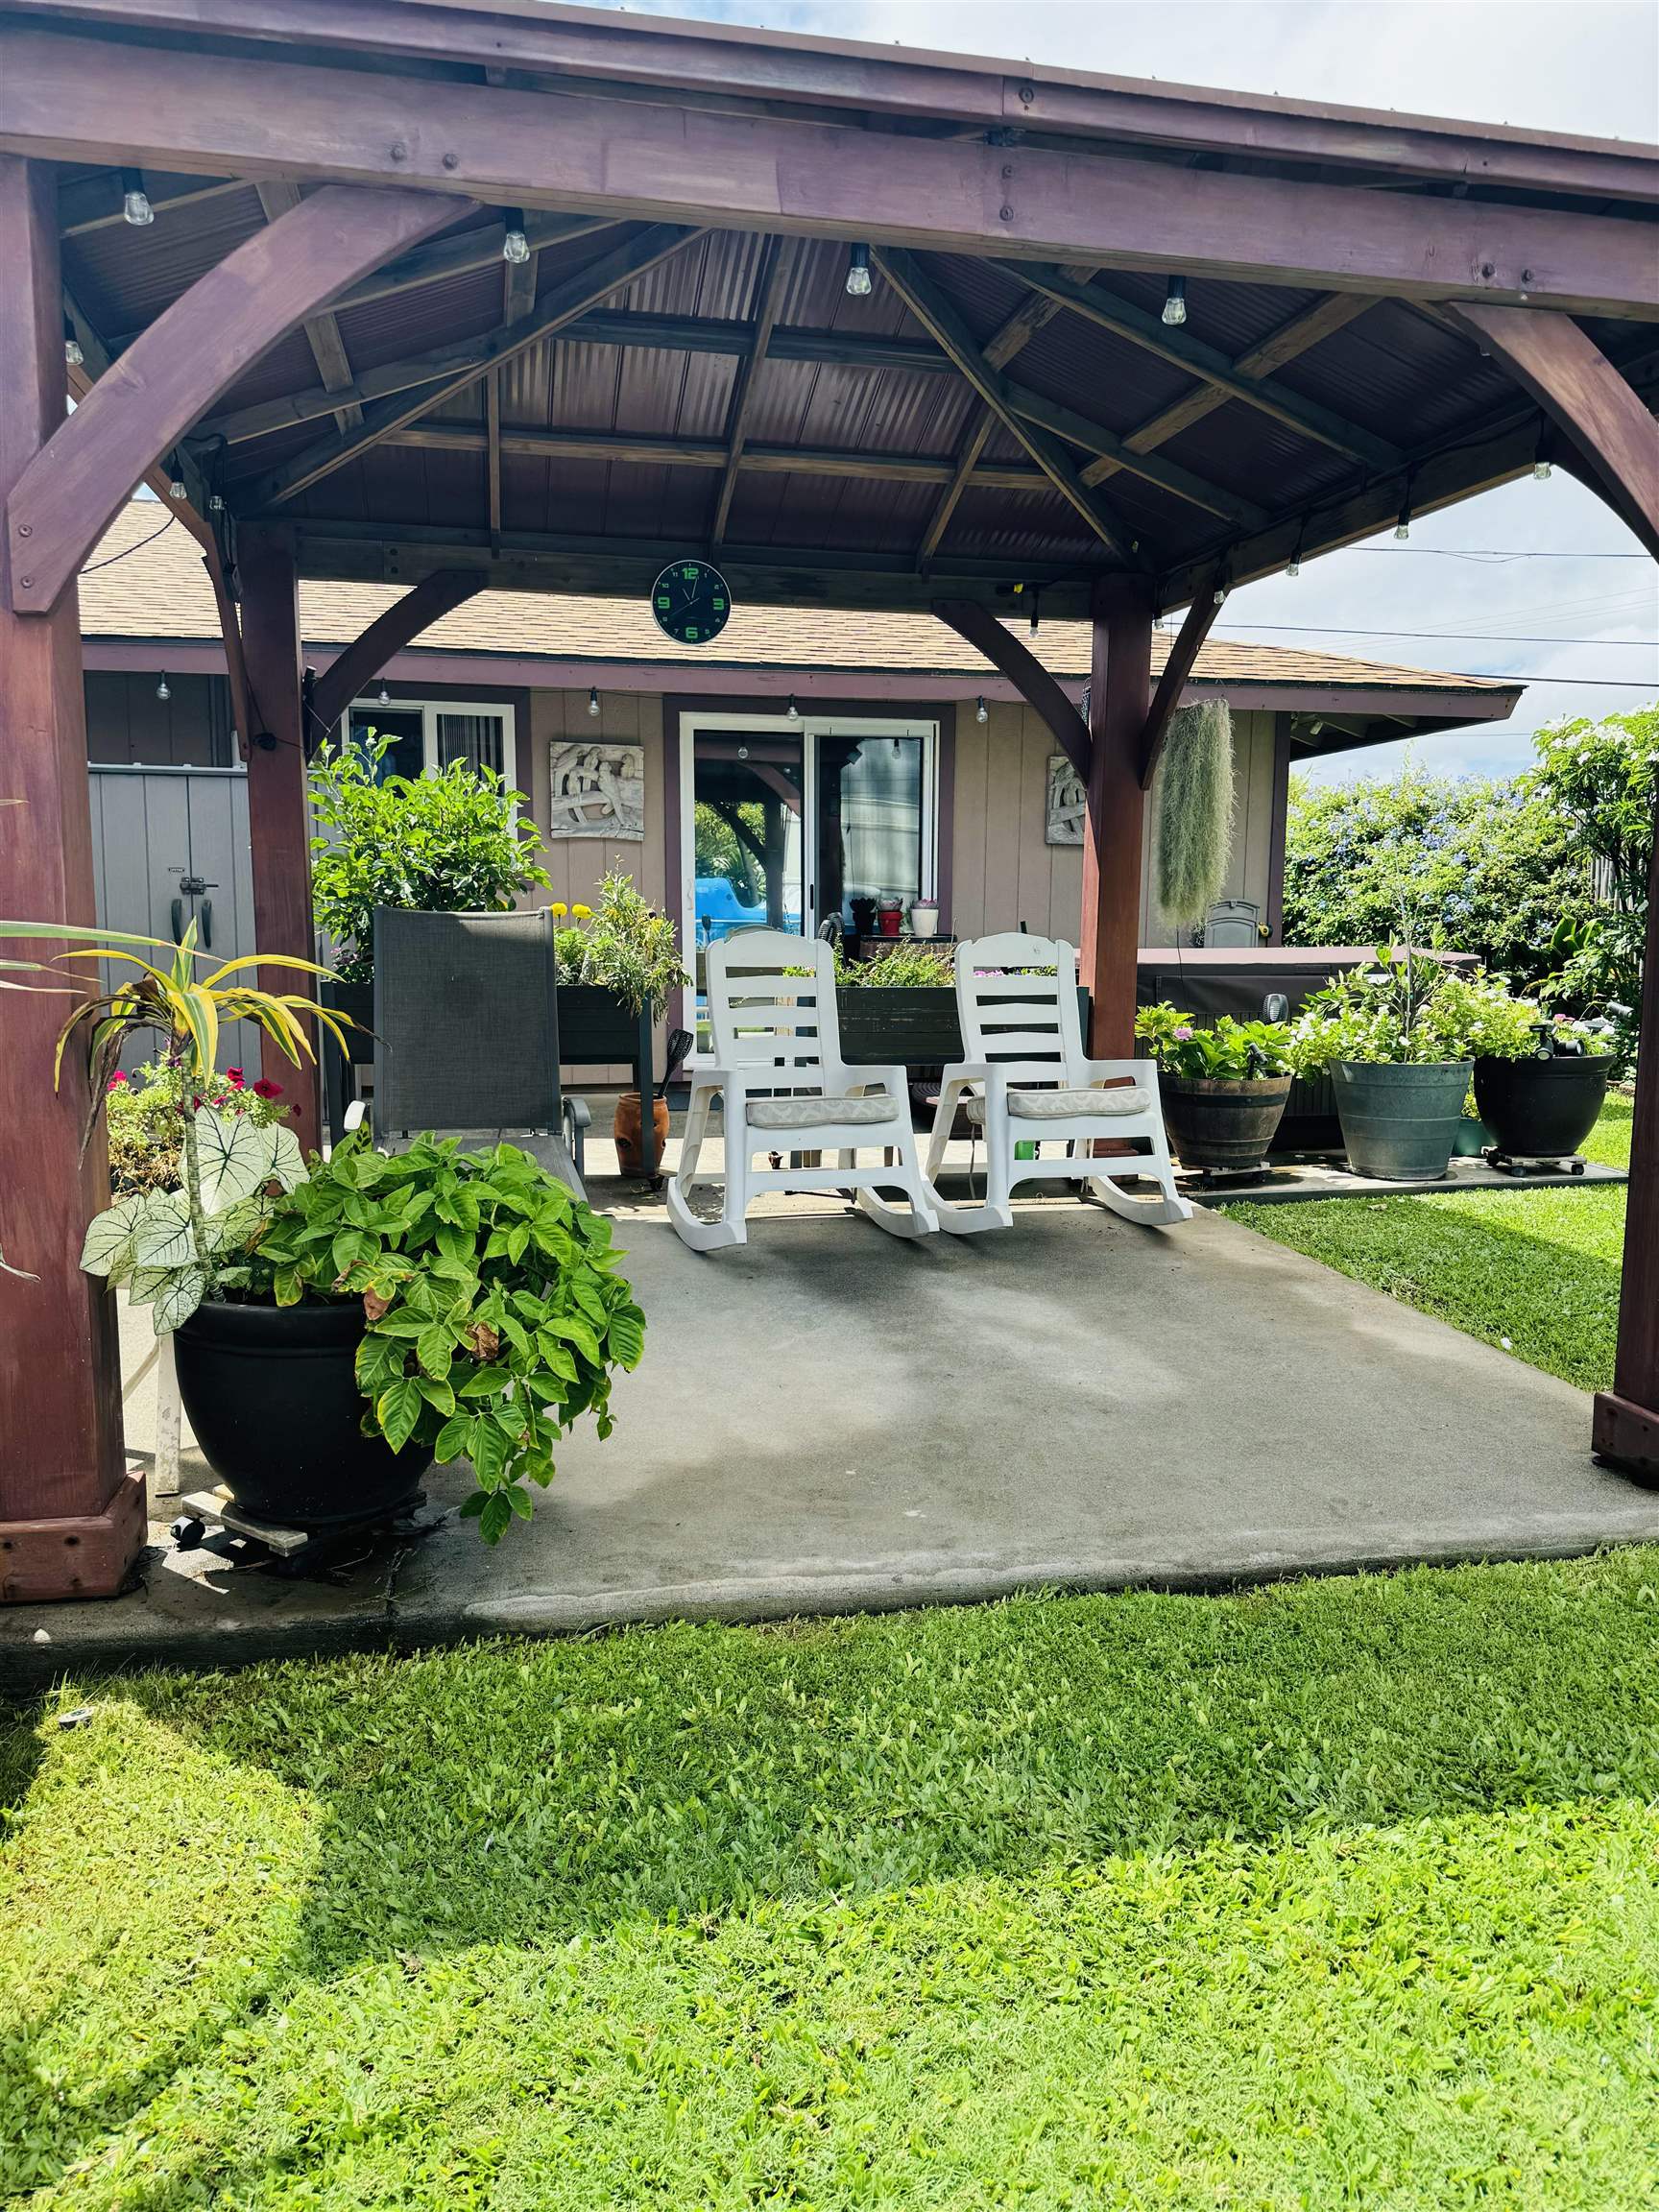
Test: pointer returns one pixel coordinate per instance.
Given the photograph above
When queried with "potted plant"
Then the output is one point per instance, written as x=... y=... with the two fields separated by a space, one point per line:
x=1399 y=1039
x=624 y=947
x=1223 y=1087
x=455 y=840
x=1542 y=1104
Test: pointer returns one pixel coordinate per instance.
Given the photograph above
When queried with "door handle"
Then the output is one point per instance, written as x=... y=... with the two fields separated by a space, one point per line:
x=178 y=921
x=204 y=913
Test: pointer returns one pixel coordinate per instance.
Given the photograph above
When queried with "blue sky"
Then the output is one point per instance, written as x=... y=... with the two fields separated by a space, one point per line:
x=1583 y=66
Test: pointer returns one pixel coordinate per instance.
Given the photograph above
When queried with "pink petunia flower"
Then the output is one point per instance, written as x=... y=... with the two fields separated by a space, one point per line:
x=1182 y=1032
x=267 y=1090
x=234 y=1076
x=115 y=1080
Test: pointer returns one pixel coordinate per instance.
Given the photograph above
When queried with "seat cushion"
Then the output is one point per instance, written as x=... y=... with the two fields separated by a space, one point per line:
x=1073 y=1105
x=821 y=1113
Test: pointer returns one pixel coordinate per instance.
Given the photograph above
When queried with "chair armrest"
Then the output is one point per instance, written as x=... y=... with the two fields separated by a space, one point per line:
x=845 y=1082
x=578 y=1113
x=1102 y=1071
x=357 y=1115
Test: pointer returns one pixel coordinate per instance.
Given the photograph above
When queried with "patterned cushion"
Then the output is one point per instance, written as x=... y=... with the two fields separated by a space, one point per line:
x=821 y=1113
x=1070 y=1105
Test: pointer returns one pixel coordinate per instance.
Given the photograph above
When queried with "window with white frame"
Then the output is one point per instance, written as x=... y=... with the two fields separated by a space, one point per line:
x=429 y=733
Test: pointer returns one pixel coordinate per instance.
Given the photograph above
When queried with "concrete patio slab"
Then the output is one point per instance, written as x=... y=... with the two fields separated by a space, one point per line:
x=829 y=1420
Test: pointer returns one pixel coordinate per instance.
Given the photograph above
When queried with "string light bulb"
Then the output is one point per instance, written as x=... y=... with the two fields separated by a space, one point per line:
x=858 y=273
x=164 y=689
x=981 y=713
x=1175 y=302
x=516 y=245
x=1219 y=595
x=384 y=698
x=135 y=207
x=1403 y=528
x=1296 y=567
x=792 y=710
x=73 y=353
x=1542 y=471
x=593 y=700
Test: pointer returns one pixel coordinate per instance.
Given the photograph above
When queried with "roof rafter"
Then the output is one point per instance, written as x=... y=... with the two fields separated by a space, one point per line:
x=562 y=305
x=1096 y=439
x=1123 y=319
x=939 y=315
x=322 y=331
x=776 y=264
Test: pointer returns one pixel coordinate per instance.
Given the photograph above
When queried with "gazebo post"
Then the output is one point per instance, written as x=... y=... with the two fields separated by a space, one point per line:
x=1627 y=1417
x=71 y=1516
x=1121 y=689
x=278 y=829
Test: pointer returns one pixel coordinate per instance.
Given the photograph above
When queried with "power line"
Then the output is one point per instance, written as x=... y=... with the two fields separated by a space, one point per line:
x=1494 y=636
x=1487 y=553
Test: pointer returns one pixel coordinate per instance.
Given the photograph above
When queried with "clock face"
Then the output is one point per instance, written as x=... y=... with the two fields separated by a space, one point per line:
x=690 y=602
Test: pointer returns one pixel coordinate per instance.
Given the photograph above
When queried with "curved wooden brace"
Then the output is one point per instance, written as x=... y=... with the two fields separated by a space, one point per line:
x=431 y=599
x=1024 y=671
x=174 y=371
x=1573 y=381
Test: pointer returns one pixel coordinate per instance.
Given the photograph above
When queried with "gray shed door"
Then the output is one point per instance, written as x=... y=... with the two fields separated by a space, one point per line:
x=169 y=847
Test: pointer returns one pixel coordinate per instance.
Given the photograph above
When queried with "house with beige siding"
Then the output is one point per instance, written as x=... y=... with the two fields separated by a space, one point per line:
x=885 y=754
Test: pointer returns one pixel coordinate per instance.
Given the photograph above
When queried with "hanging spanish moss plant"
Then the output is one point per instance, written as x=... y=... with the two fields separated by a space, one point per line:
x=1194 y=810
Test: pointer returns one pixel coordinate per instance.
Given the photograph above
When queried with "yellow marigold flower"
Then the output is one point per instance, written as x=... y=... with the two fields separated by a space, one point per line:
x=558 y=909
x=583 y=913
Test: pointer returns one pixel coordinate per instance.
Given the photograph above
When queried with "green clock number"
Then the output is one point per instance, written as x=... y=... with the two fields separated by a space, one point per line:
x=691 y=602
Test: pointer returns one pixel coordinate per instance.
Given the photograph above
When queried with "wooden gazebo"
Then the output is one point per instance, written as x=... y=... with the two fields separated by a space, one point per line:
x=452 y=294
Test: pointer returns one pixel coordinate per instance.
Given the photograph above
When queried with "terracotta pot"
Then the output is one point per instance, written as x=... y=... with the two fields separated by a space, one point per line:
x=625 y=1128
x=1218 y=1125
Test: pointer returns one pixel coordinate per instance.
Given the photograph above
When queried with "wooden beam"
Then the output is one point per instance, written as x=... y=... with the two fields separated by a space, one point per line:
x=562 y=305
x=187 y=109
x=907 y=87
x=776 y=262
x=70 y=493
x=713 y=453
x=664 y=333
x=71 y=1523
x=88 y=203
x=1625 y=1423
x=1120 y=686
x=940 y=318
x=493 y=450
x=1107 y=311
x=354 y=670
x=322 y=331
x=1182 y=656
x=448 y=258
x=979 y=628
x=278 y=821
x=1302 y=333
x=1096 y=439
x=1573 y=381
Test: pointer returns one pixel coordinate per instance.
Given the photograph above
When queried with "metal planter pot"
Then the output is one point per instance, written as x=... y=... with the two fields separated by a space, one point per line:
x=1541 y=1108
x=1399 y=1124
x=1220 y=1125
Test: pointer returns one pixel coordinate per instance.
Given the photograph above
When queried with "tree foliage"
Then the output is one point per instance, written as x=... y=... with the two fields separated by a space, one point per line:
x=1464 y=865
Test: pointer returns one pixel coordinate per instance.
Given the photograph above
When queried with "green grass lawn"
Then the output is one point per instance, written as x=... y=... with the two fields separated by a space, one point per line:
x=1533 y=1271
x=1341 y=1895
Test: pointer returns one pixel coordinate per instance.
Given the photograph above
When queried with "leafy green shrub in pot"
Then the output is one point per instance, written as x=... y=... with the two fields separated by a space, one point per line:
x=622 y=944
x=494 y=1309
x=1399 y=1039
x=457 y=840
x=906 y=968
x=1223 y=1085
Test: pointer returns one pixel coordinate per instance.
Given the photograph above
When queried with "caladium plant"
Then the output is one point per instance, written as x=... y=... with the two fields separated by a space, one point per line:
x=172 y=1248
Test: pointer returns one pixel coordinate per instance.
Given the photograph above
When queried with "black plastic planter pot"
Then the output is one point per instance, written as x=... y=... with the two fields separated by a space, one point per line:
x=272 y=1398
x=1225 y=1127
x=1399 y=1124
x=1541 y=1108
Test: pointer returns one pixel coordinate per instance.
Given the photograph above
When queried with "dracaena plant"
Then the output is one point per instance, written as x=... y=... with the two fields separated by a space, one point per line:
x=495 y=1310
x=170 y=1247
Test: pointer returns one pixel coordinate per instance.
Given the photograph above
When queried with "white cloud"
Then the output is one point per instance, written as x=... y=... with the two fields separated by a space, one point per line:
x=1576 y=65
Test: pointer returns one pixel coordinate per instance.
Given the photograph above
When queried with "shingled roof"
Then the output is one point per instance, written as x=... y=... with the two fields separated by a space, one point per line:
x=147 y=583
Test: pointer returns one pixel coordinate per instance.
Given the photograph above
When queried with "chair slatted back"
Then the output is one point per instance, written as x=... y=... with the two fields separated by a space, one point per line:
x=466 y=1021
x=765 y=1017
x=1017 y=1001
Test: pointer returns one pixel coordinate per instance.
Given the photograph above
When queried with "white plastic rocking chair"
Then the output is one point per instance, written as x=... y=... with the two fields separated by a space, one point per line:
x=1027 y=1080
x=782 y=1083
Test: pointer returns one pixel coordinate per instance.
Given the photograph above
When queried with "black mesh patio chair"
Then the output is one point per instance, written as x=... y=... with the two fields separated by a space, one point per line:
x=467 y=1035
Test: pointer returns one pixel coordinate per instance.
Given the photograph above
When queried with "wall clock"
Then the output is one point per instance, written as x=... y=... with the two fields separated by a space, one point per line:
x=690 y=602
